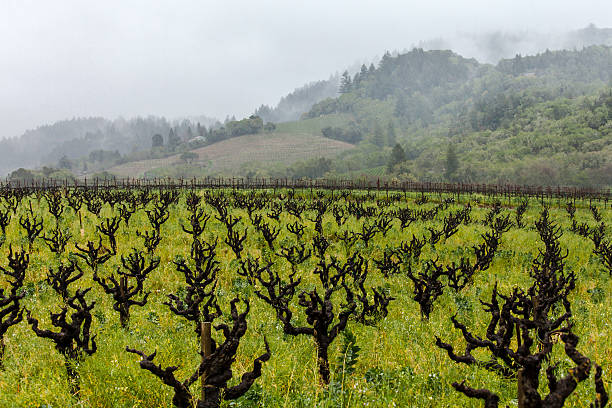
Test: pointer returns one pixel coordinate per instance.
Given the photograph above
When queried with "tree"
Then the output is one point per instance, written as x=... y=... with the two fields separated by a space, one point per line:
x=65 y=163
x=173 y=139
x=390 y=134
x=400 y=106
x=452 y=163
x=346 y=83
x=157 y=140
x=22 y=174
x=189 y=157
x=397 y=156
x=378 y=138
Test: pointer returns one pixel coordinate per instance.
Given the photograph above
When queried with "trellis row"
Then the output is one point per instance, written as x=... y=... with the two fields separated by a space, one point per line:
x=504 y=190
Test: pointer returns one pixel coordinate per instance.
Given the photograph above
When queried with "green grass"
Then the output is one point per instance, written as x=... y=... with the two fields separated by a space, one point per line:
x=398 y=365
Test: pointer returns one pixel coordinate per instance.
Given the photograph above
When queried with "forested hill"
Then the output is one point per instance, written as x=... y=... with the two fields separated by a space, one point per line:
x=421 y=82
x=292 y=106
x=543 y=119
x=422 y=115
x=79 y=137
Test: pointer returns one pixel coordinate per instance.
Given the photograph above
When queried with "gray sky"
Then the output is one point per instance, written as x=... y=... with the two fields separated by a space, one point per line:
x=63 y=59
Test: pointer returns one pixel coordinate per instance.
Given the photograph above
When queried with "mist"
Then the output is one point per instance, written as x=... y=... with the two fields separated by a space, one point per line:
x=176 y=59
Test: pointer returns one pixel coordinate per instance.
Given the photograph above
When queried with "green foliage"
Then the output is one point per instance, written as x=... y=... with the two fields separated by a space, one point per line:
x=29 y=176
x=547 y=121
x=452 y=163
x=173 y=139
x=313 y=168
x=391 y=135
x=378 y=137
x=189 y=157
x=64 y=163
x=352 y=135
x=397 y=156
x=157 y=140
x=346 y=84
x=349 y=354
x=394 y=364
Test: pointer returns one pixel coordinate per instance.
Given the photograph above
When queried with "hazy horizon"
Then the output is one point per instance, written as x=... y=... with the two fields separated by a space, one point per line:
x=70 y=59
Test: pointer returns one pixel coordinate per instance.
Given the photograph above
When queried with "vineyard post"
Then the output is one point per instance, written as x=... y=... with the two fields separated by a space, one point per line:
x=206 y=350
x=122 y=289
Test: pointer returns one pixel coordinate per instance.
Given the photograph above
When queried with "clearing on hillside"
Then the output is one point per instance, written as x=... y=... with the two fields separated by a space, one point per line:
x=283 y=148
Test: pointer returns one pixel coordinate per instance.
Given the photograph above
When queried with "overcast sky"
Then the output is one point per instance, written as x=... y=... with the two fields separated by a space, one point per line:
x=63 y=59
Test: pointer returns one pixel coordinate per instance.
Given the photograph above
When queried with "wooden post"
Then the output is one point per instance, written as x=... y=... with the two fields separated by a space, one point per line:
x=521 y=390
x=206 y=348
x=122 y=289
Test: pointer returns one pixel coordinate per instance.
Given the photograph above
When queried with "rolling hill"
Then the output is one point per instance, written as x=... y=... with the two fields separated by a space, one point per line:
x=269 y=148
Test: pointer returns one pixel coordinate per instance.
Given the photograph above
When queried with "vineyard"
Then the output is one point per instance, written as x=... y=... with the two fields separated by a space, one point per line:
x=273 y=294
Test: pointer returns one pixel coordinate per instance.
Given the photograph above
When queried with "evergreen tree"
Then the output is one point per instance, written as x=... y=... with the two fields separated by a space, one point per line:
x=400 y=106
x=378 y=138
x=385 y=61
x=173 y=139
x=452 y=163
x=65 y=163
x=363 y=73
x=390 y=134
x=397 y=156
x=345 y=82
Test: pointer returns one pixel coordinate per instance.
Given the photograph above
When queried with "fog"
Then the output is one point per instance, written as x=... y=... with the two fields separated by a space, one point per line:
x=183 y=58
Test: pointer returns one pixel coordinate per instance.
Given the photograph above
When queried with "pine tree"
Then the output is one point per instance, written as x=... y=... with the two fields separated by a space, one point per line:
x=363 y=73
x=345 y=82
x=452 y=163
x=391 y=134
x=400 y=106
x=378 y=138
x=397 y=156
x=385 y=60
x=173 y=139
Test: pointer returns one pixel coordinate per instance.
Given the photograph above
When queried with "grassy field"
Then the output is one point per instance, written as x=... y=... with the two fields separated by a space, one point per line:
x=397 y=364
x=272 y=148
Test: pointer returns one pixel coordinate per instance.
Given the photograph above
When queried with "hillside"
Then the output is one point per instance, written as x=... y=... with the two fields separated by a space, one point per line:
x=79 y=137
x=251 y=150
x=542 y=119
x=532 y=119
